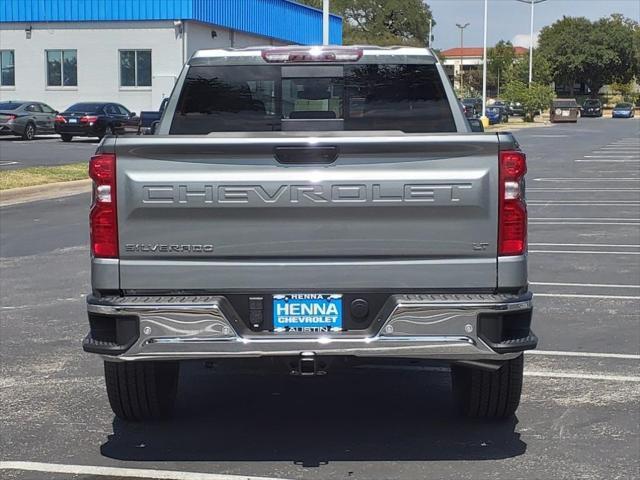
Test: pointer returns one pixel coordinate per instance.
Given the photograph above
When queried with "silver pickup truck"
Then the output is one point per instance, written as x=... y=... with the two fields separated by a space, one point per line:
x=310 y=205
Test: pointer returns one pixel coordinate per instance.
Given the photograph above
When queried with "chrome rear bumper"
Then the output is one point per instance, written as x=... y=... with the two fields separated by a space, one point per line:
x=409 y=326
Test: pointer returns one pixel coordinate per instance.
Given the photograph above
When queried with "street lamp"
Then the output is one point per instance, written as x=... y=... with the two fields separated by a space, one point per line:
x=483 y=117
x=462 y=27
x=325 y=22
x=532 y=3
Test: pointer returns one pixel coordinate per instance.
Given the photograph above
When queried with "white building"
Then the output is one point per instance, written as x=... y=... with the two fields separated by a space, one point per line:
x=131 y=51
x=455 y=60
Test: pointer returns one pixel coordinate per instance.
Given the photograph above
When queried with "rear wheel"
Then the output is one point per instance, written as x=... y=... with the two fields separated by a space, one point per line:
x=489 y=394
x=108 y=132
x=66 y=137
x=29 y=132
x=141 y=390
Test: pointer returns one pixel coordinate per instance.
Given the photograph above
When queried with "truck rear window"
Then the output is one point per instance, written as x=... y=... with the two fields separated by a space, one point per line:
x=261 y=98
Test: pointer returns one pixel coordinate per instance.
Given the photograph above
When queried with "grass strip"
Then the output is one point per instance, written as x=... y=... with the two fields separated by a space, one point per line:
x=27 y=177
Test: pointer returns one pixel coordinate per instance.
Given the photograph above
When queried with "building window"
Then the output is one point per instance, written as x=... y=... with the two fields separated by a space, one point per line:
x=135 y=68
x=7 y=68
x=62 y=68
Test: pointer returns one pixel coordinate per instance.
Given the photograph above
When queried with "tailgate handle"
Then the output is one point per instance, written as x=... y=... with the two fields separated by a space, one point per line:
x=306 y=155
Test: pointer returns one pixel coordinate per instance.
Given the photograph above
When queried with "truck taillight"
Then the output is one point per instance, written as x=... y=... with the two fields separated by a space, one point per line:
x=103 y=216
x=512 y=210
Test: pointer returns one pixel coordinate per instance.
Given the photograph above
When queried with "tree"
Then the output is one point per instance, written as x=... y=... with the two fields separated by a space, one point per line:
x=519 y=69
x=611 y=56
x=625 y=90
x=596 y=53
x=375 y=22
x=473 y=82
x=534 y=97
x=565 y=45
x=499 y=60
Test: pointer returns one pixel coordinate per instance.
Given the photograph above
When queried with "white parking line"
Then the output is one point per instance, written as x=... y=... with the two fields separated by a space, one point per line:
x=549 y=136
x=550 y=203
x=6 y=163
x=581 y=376
x=558 y=353
x=608 y=161
x=587 y=218
x=604 y=245
x=585 y=285
x=583 y=179
x=586 y=223
x=122 y=472
x=618 y=150
x=613 y=156
x=589 y=252
x=576 y=295
x=578 y=189
x=583 y=202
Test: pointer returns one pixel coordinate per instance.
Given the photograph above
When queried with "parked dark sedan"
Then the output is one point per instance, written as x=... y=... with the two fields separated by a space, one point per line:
x=26 y=118
x=591 y=108
x=623 y=110
x=504 y=105
x=473 y=106
x=516 y=108
x=95 y=120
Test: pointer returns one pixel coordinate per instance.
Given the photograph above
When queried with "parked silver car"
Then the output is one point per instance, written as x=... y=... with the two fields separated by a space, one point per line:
x=26 y=118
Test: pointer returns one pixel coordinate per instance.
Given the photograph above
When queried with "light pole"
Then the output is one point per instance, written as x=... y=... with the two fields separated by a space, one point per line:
x=325 y=22
x=532 y=3
x=483 y=117
x=462 y=27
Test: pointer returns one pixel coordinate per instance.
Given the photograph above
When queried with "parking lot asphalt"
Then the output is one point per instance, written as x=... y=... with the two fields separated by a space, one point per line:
x=579 y=416
x=45 y=150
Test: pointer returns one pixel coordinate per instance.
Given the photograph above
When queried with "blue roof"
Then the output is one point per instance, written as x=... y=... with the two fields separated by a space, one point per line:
x=281 y=19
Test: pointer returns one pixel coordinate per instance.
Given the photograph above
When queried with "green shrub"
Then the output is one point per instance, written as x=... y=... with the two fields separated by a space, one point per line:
x=534 y=98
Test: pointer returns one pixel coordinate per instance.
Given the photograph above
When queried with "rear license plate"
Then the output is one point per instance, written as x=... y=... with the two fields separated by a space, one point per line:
x=307 y=312
x=73 y=120
x=566 y=113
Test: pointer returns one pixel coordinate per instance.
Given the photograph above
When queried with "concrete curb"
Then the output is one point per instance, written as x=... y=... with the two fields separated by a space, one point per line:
x=517 y=126
x=15 y=196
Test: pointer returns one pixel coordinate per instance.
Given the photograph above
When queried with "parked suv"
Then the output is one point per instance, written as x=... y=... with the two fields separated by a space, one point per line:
x=564 y=110
x=95 y=119
x=591 y=107
x=306 y=205
x=26 y=118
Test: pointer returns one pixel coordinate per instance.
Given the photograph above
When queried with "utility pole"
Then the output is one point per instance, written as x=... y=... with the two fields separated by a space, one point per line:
x=532 y=3
x=483 y=117
x=462 y=27
x=325 y=22
x=430 y=30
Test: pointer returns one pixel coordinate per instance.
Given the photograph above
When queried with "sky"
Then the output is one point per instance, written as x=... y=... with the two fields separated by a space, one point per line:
x=509 y=19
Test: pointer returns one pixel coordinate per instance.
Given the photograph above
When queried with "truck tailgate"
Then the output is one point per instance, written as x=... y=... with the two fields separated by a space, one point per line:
x=225 y=213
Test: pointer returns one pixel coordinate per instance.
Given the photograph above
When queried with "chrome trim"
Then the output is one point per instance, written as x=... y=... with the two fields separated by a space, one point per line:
x=415 y=326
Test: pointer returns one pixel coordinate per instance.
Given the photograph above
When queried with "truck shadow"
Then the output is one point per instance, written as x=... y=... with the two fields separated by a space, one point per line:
x=370 y=414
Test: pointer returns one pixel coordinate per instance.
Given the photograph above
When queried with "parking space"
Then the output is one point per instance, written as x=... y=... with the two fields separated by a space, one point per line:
x=579 y=415
x=584 y=237
x=45 y=150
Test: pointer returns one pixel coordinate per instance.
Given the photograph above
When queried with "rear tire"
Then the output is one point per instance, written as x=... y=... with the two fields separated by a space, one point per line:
x=29 y=132
x=486 y=394
x=140 y=391
x=66 y=138
x=108 y=132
